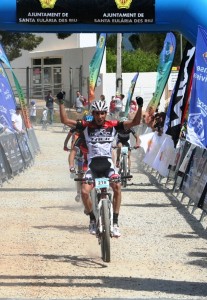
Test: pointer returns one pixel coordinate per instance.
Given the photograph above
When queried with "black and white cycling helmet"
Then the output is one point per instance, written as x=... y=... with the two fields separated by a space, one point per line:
x=99 y=105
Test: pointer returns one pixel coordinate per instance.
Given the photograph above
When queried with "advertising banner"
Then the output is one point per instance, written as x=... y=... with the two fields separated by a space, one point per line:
x=197 y=117
x=20 y=93
x=163 y=72
x=95 y=65
x=130 y=93
x=193 y=172
x=7 y=100
x=176 y=112
x=58 y=12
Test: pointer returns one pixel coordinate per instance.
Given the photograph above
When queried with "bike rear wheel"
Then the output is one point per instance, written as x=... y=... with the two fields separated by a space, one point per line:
x=105 y=236
x=124 y=171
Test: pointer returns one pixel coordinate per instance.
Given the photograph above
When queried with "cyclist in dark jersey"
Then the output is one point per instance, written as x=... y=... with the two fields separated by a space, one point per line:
x=99 y=135
x=123 y=139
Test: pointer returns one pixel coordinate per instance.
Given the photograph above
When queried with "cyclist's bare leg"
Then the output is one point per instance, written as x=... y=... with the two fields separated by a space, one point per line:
x=71 y=158
x=116 y=187
x=85 y=193
x=118 y=152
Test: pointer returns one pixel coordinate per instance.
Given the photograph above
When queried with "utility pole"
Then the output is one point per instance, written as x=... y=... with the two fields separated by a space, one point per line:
x=119 y=64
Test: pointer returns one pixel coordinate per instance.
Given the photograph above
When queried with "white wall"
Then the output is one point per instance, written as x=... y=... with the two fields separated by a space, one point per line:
x=144 y=87
x=51 y=42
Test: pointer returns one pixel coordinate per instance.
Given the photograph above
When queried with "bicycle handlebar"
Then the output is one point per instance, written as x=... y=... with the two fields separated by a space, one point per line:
x=130 y=148
x=91 y=180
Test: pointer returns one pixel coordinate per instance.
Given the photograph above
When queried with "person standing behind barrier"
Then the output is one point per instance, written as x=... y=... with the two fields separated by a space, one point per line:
x=50 y=105
x=33 y=112
x=44 y=118
x=79 y=101
x=17 y=121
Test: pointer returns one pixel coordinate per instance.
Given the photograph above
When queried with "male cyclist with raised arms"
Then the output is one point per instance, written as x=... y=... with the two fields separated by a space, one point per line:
x=99 y=135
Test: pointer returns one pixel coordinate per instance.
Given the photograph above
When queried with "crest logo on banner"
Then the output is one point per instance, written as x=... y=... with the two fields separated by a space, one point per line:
x=47 y=3
x=197 y=118
x=123 y=4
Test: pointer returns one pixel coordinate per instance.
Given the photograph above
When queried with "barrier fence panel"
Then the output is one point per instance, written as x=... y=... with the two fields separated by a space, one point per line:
x=24 y=149
x=33 y=140
x=12 y=152
x=5 y=170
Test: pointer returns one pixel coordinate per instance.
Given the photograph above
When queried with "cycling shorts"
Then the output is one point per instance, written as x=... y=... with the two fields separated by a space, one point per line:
x=100 y=167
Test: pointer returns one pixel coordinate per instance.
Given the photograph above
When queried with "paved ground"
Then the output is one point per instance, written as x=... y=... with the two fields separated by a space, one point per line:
x=47 y=253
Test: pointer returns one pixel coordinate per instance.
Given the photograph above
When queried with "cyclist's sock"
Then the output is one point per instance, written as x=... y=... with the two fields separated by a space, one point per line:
x=115 y=218
x=92 y=217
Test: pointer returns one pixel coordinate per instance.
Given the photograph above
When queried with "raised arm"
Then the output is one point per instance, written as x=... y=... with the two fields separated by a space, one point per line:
x=63 y=116
x=137 y=118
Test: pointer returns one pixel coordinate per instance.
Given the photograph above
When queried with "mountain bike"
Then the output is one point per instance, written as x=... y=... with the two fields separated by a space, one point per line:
x=123 y=165
x=102 y=204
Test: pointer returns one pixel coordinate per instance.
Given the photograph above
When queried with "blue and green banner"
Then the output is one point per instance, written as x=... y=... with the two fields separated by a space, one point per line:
x=95 y=65
x=20 y=93
x=197 y=115
x=130 y=93
x=163 y=72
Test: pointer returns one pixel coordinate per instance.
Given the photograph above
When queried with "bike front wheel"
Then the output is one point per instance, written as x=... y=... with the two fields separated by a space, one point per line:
x=105 y=236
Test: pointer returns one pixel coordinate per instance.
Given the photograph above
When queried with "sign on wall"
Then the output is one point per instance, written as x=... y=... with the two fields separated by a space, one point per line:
x=58 y=12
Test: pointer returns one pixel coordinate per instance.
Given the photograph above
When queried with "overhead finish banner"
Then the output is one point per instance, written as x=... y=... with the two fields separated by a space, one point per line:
x=58 y=12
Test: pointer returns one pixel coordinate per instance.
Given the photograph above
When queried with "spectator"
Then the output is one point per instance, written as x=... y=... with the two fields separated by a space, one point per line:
x=50 y=105
x=17 y=120
x=79 y=102
x=33 y=112
x=44 y=118
x=102 y=98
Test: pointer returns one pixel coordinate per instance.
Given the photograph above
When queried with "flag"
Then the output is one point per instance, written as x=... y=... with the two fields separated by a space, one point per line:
x=163 y=72
x=130 y=93
x=7 y=100
x=177 y=108
x=95 y=65
x=20 y=93
x=197 y=116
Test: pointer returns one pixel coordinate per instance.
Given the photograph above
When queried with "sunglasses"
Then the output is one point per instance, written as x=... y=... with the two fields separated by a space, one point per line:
x=97 y=113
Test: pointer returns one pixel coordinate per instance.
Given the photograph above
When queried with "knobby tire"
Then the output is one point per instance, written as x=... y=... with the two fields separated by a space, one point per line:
x=105 y=239
x=124 y=170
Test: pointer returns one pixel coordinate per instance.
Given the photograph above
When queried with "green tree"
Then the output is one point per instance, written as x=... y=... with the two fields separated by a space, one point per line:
x=153 y=42
x=132 y=61
x=14 y=42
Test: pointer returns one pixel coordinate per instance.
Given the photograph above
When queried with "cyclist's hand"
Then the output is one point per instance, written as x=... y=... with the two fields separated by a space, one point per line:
x=139 y=101
x=72 y=170
x=65 y=148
